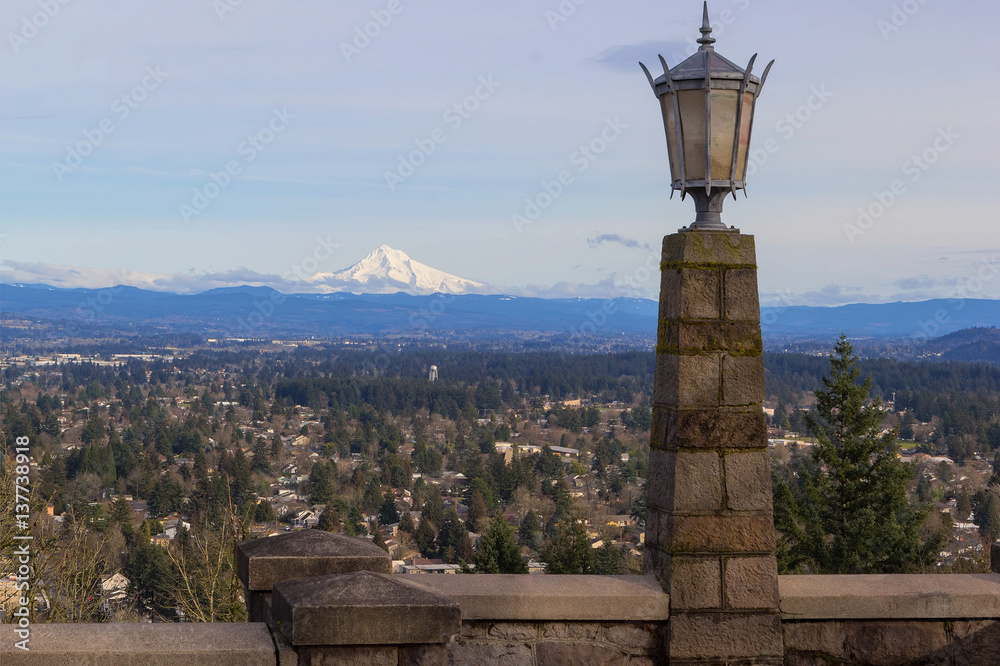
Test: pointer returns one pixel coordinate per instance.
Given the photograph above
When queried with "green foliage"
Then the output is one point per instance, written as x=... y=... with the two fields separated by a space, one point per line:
x=388 y=514
x=845 y=510
x=496 y=551
x=569 y=552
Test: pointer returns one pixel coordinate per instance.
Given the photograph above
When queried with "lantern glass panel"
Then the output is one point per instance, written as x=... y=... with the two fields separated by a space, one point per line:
x=692 y=106
x=741 y=156
x=670 y=124
x=724 y=103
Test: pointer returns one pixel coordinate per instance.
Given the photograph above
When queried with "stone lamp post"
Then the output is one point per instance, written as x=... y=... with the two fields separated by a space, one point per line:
x=709 y=524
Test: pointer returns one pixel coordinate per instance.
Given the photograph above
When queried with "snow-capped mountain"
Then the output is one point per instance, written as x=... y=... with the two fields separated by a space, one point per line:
x=387 y=271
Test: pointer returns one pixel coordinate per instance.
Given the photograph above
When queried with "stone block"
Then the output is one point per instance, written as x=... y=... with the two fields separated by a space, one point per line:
x=748 y=481
x=472 y=630
x=704 y=428
x=721 y=636
x=894 y=642
x=711 y=247
x=126 y=644
x=634 y=637
x=694 y=582
x=665 y=379
x=572 y=654
x=490 y=654
x=826 y=638
x=423 y=655
x=740 y=299
x=662 y=416
x=742 y=380
x=571 y=631
x=513 y=632
x=566 y=598
x=685 y=481
x=260 y=563
x=972 y=641
x=717 y=534
x=890 y=596
x=697 y=381
x=699 y=297
x=670 y=293
x=751 y=582
x=348 y=655
x=687 y=337
x=363 y=608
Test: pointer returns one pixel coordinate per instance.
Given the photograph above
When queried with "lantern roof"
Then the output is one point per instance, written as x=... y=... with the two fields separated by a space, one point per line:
x=705 y=59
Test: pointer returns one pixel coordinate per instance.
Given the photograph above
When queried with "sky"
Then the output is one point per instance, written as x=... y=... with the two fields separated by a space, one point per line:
x=185 y=145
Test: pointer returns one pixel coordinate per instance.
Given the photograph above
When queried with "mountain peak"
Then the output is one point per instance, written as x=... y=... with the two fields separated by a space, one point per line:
x=387 y=270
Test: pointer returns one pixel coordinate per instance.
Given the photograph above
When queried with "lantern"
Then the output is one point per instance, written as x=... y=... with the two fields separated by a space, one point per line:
x=708 y=106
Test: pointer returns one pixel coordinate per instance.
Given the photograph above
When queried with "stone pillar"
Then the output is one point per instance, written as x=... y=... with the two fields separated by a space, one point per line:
x=365 y=618
x=260 y=563
x=709 y=525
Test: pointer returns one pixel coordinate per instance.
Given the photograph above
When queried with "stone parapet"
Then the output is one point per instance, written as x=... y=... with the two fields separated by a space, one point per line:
x=161 y=644
x=890 y=597
x=510 y=597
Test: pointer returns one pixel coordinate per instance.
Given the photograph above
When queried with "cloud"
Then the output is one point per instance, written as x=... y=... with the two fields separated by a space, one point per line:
x=621 y=240
x=627 y=57
x=829 y=295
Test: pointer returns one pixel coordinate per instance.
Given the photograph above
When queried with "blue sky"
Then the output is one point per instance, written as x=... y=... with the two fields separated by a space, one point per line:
x=309 y=115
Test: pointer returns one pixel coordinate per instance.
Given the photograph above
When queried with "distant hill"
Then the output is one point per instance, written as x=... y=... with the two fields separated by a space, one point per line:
x=972 y=344
x=261 y=311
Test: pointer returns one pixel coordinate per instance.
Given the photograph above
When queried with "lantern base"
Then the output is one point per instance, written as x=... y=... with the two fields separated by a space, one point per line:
x=708 y=211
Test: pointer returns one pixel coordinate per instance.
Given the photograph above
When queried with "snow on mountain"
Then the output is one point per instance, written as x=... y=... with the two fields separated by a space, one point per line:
x=387 y=271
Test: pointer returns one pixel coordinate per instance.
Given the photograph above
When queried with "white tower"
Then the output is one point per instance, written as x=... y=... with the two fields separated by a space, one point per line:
x=434 y=373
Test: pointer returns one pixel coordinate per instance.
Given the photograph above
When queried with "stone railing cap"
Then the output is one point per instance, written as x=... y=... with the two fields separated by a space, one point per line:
x=260 y=563
x=362 y=608
x=545 y=597
x=889 y=596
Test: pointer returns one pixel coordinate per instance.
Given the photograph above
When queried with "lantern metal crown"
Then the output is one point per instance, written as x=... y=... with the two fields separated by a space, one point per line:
x=708 y=107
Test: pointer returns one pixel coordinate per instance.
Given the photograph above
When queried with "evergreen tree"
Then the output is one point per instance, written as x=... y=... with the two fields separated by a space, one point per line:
x=425 y=537
x=609 y=560
x=477 y=512
x=329 y=520
x=847 y=512
x=496 y=551
x=527 y=531
x=388 y=514
x=569 y=552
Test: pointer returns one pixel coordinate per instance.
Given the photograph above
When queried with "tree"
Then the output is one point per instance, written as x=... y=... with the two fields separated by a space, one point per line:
x=477 y=512
x=388 y=514
x=569 y=552
x=527 y=531
x=847 y=511
x=496 y=551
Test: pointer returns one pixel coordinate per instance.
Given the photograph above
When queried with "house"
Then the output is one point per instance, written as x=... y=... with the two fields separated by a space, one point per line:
x=114 y=590
x=305 y=518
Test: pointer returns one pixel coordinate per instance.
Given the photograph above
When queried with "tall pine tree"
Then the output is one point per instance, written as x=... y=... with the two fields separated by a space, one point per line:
x=847 y=510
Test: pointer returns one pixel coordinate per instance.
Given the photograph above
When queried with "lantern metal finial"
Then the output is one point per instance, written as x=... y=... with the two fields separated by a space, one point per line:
x=706 y=40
